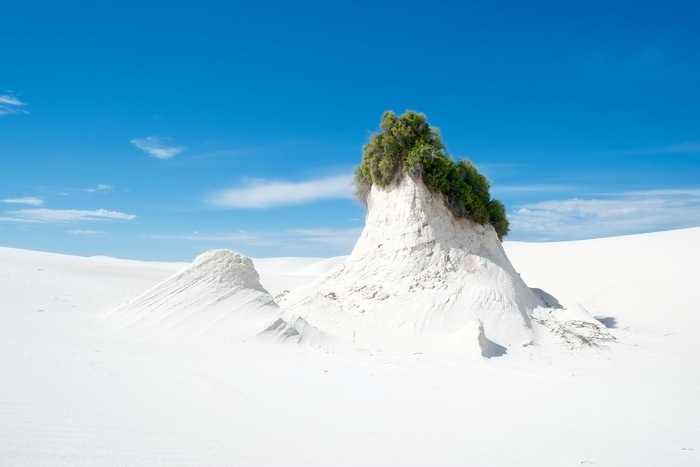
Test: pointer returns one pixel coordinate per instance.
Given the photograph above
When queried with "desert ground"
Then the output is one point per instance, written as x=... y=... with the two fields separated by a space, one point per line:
x=77 y=390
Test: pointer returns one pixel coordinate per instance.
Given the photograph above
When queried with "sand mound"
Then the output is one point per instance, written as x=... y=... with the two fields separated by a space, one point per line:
x=216 y=298
x=420 y=281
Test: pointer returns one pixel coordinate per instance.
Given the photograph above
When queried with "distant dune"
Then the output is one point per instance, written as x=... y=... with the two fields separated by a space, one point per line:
x=75 y=391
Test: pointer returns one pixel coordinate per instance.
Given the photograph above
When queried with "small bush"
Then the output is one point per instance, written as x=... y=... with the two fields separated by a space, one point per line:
x=409 y=145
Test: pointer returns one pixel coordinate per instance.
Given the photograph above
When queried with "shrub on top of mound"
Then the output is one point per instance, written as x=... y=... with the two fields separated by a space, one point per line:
x=408 y=145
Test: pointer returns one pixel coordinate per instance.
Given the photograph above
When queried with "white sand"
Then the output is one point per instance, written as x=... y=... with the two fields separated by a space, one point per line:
x=420 y=282
x=217 y=299
x=74 y=391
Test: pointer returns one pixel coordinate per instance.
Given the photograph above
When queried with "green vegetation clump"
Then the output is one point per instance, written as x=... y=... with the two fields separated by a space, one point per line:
x=409 y=145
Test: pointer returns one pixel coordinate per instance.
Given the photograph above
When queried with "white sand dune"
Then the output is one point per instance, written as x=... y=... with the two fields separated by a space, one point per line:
x=644 y=282
x=285 y=274
x=217 y=298
x=422 y=282
x=73 y=391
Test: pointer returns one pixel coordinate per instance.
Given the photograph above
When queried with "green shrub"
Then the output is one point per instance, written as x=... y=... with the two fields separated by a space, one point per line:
x=409 y=145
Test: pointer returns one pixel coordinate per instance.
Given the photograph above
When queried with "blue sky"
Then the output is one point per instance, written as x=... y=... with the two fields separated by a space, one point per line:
x=158 y=130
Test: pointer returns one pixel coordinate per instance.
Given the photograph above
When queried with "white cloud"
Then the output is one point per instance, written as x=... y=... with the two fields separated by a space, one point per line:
x=250 y=151
x=31 y=200
x=692 y=147
x=8 y=99
x=84 y=232
x=101 y=188
x=500 y=190
x=18 y=220
x=9 y=105
x=157 y=147
x=678 y=192
x=241 y=237
x=260 y=194
x=338 y=238
x=67 y=215
x=625 y=213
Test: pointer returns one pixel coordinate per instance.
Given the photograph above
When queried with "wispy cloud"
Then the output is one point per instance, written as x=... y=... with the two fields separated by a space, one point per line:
x=212 y=149
x=261 y=194
x=238 y=237
x=158 y=147
x=18 y=220
x=65 y=215
x=31 y=200
x=10 y=104
x=625 y=213
x=84 y=232
x=684 y=193
x=101 y=188
x=691 y=147
x=500 y=190
x=340 y=240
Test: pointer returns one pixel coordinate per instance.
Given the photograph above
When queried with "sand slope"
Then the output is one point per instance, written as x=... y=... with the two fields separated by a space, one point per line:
x=217 y=298
x=75 y=392
x=422 y=282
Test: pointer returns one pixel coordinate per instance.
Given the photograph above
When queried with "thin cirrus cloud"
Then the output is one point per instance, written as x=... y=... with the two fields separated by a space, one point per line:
x=691 y=147
x=10 y=104
x=240 y=237
x=262 y=194
x=340 y=240
x=155 y=146
x=30 y=200
x=101 y=188
x=84 y=232
x=531 y=189
x=620 y=214
x=43 y=215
